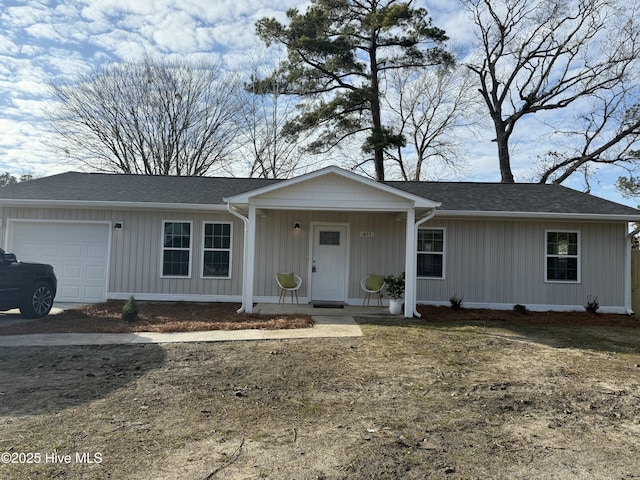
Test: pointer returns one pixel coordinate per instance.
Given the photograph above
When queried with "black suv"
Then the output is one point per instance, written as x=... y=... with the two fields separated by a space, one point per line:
x=31 y=287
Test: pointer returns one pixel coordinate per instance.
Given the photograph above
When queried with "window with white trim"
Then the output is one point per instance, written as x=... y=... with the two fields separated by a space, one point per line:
x=562 y=256
x=176 y=249
x=430 y=249
x=217 y=250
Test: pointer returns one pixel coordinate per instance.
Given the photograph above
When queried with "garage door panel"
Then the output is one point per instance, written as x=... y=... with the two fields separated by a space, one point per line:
x=50 y=251
x=93 y=294
x=70 y=293
x=97 y=253
x=30 y=250
x=77 y=251
x=73 y=251
x=96 y=273
x=93 y=236
x=71 y=273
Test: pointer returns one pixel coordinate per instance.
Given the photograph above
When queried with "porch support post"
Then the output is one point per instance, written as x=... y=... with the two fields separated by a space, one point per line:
x=410 y=265
x=628 y=281
x=249 y=260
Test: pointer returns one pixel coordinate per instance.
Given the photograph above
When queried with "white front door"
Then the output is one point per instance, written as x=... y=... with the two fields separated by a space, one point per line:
x=329 y=263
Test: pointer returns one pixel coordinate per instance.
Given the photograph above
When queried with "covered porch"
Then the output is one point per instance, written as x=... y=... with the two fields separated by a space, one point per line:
x=331 y=228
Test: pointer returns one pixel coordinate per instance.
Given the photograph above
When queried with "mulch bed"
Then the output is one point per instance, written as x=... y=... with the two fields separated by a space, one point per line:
x=155 y=317
x=165 y=317
x=446 y=314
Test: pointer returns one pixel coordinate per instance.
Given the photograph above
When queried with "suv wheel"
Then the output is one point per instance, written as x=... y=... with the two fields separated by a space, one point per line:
x=39 y=301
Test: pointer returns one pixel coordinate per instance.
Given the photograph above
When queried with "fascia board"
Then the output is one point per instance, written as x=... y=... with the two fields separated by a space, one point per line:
x=30 y=203
x=536 y=215
x=329 y=203
x=338 y=207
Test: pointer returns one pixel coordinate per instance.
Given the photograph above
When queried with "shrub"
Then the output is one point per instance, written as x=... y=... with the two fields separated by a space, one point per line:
x=395 y=285
x=592 y=305
x=130 y=310
x=520 y=309
x=456 y=302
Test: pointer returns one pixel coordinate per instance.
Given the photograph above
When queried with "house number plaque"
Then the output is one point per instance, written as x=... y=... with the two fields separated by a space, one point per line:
x=366 y=234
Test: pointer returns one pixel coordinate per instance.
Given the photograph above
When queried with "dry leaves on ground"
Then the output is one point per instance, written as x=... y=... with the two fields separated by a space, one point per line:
x=188 y=316
x=445 y=314
x=155 y=317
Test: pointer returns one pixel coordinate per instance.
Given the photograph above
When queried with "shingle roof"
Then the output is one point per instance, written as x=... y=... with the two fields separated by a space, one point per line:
x=455 y=197
x=104 y=187
x=513 y=197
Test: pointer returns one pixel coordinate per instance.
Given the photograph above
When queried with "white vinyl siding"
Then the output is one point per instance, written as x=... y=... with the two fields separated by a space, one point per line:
x=562 y=261
x=135 y=260
x=216 y=256
x=488 y=262
x=280 y=248
x=503 y=262
x=176 y=248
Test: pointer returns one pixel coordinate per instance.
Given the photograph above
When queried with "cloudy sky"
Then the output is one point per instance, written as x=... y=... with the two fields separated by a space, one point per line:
x=43 y=40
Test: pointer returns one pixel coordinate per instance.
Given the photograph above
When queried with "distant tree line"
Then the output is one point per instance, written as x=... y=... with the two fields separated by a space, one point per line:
x=8 y=179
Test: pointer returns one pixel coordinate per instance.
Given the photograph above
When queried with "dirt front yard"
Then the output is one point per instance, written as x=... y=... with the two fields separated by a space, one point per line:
x=472 y=398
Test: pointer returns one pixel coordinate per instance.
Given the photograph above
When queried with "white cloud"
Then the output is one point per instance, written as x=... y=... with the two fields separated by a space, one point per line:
x=7 y=46
x=40 y=41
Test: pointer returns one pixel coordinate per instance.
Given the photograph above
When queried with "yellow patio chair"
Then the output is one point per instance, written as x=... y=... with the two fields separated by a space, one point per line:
x=372 y=284
x=288 y=282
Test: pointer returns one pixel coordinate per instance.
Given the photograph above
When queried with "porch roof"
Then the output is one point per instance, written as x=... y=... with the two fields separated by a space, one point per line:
x=332 y=188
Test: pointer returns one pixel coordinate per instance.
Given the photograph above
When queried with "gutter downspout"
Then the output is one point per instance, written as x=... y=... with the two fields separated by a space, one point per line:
x=415 y=277
x=627 y=273
x=236 y=213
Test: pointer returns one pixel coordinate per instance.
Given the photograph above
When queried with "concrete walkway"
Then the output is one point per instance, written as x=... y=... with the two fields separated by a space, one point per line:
x=328 y=323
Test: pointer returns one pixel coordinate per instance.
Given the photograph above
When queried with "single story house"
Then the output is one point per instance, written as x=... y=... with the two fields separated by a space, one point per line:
x=224 y=239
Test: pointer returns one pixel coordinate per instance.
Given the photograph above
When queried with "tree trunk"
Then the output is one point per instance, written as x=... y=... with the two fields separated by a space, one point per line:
x=376 y=117
x=378 y=153
x=504 y=160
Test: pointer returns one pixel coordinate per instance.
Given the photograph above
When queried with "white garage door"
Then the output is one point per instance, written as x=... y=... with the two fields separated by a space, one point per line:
x=77 y=251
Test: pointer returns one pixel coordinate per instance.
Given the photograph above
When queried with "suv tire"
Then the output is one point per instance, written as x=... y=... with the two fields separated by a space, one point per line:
x=39 y=301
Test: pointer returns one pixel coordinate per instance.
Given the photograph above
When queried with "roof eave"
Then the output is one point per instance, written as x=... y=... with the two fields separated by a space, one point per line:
x=538 y=215
x=36 y=203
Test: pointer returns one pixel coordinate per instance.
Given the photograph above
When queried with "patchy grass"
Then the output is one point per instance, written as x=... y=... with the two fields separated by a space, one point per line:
x=411 y=399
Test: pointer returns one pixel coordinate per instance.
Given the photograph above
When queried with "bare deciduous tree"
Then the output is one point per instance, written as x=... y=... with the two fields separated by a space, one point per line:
x=265 y=112
x=603 y=134
x=546 y=55
x=151 y=117
x=430 y=108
